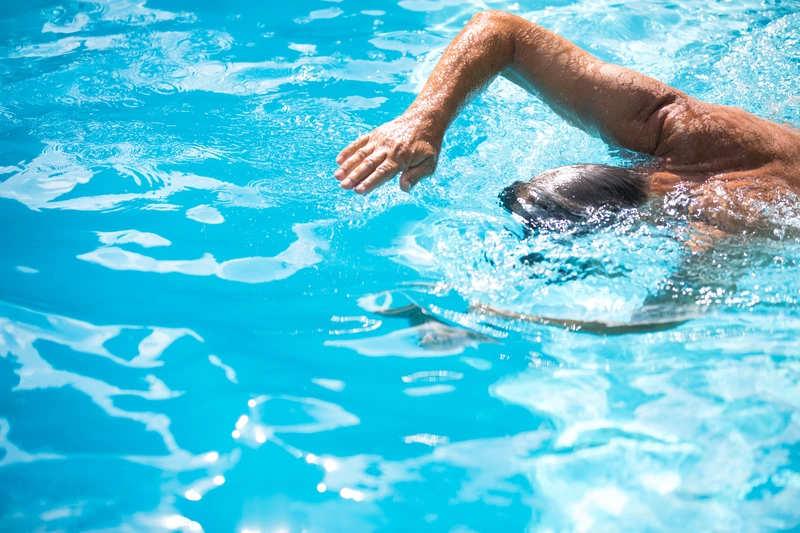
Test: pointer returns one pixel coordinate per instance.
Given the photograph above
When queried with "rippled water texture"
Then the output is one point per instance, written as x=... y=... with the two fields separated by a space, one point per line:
x=200 y=331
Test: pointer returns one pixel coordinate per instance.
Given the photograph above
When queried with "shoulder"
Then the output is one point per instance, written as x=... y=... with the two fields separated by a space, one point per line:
x=698 y=136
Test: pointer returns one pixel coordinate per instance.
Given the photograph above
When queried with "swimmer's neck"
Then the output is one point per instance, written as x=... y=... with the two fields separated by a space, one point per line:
x=662 y=182
x=780 y=166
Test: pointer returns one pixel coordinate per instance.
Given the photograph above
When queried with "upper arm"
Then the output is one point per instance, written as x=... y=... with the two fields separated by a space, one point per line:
x=620 y=105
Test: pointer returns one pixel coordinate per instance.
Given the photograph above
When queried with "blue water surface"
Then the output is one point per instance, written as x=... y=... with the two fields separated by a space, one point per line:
x=193 y=316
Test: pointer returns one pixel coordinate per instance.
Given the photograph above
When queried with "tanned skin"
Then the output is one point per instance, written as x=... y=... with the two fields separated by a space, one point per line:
x=710 y=149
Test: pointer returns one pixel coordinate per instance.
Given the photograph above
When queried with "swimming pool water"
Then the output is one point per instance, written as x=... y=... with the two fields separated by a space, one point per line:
x=192 y=314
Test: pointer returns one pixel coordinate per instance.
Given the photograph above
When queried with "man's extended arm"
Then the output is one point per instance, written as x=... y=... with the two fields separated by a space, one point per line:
x=621 y=106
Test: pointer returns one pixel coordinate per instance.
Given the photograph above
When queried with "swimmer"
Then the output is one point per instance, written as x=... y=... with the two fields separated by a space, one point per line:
x=725 y=158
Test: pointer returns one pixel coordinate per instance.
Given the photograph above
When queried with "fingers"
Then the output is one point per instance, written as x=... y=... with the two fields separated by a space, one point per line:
x=363 y=170
x=374 y=159
x=351 y=148
x=413 y=175
x=386 y=171
x=355 y=159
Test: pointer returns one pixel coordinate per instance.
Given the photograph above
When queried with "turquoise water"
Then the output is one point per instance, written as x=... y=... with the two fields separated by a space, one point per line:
x=193 y=328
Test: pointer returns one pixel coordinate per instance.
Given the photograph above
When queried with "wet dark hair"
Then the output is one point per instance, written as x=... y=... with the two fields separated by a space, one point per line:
x=571 y=193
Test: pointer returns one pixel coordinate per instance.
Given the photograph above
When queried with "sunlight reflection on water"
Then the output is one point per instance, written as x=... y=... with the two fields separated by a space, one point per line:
x=200 y=332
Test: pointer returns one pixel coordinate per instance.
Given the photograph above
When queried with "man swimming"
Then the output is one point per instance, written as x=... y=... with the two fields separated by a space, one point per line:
x=723 y=156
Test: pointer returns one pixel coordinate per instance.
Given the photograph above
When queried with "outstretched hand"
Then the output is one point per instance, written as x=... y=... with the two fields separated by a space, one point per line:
x=404 y=146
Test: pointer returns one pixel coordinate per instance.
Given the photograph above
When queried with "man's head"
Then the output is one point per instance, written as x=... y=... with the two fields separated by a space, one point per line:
x=571 y=192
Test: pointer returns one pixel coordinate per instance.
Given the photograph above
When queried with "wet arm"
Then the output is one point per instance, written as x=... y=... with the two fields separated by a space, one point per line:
x=621 y=106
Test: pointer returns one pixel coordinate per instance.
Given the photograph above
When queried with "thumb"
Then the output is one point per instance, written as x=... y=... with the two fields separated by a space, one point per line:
x=413 y=175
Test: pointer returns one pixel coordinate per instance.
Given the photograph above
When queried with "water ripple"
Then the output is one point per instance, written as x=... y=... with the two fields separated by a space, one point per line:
x=250 y=405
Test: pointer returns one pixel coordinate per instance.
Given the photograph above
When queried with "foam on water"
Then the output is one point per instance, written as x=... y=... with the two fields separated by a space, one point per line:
x=199 y=331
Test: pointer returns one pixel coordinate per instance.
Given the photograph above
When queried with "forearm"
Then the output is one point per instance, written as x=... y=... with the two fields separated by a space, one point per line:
x=469 y=64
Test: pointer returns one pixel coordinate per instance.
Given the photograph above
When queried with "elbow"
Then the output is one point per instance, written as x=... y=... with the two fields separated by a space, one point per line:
x=492 y=17
x=497 y=29
x=494 y=21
